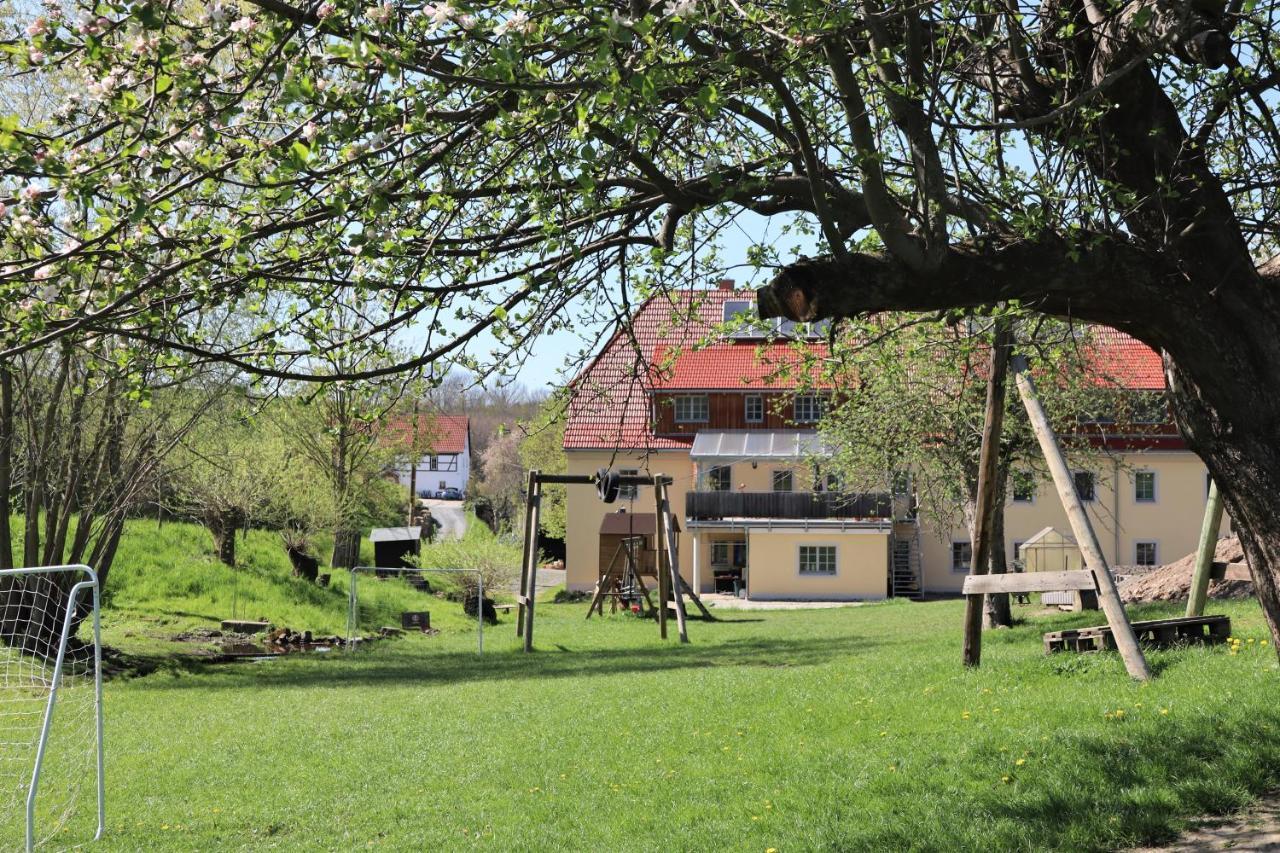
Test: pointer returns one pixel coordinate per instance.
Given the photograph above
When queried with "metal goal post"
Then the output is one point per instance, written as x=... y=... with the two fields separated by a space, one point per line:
x=353 y=598
x=41 y=606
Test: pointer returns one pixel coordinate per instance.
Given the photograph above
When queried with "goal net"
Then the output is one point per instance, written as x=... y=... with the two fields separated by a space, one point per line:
x=51 y=759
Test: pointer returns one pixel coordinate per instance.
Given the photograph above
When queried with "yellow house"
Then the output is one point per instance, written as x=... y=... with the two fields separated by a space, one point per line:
x=759 y=515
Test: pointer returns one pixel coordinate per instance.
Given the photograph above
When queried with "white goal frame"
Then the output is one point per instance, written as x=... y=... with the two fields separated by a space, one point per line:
x=90 y=582
x=353 y=601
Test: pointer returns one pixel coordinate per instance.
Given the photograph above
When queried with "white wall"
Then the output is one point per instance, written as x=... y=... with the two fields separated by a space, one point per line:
x=431 y=480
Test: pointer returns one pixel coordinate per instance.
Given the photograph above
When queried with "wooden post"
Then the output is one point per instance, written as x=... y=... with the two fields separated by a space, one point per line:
x=1117 y=618
x=660 y=560
x=532 y=580
x=1204 y=555
x=988 y=473
x=673 y=565
x=524 y=555
x=413 y=468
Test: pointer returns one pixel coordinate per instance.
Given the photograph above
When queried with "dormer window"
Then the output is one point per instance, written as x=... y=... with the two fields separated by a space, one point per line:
x=742 y=312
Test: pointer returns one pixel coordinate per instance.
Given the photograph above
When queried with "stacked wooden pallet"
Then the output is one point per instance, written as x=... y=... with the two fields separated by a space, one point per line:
x=1154 y=633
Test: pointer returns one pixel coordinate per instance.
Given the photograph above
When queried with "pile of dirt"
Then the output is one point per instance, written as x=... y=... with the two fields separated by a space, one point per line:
x=1172 y=582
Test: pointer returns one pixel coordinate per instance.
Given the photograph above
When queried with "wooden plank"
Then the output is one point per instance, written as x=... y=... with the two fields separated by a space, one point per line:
x=524 y=556
x=1029 y=582
x=1206 y=630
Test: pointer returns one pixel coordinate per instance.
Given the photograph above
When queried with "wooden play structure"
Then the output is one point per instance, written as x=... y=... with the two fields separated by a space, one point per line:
x=1097 y=574
x=624 y=575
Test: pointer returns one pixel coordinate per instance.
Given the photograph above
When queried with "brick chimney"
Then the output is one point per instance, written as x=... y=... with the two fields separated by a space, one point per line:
x=724 y=284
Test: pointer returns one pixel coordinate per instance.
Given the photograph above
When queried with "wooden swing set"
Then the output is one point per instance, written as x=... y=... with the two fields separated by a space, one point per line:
x=623 y=579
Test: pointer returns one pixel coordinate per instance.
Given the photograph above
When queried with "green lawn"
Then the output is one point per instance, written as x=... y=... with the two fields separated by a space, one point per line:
x=847 y=729
x=838 y=729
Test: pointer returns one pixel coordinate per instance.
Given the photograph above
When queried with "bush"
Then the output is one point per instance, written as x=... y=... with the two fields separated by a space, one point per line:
x=496 y=557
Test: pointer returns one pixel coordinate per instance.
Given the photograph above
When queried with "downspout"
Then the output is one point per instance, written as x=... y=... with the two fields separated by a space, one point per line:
x=1115 y=509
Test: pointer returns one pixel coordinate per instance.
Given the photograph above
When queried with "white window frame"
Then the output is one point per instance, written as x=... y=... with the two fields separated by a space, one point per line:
x=835 y=560
x=1155 y=487
x=961 y=569
x=747 y=406
x=1093 y=479
x=690 y=400
x=1155 y=552
x=790 y=477
x=731 y=548
x=817 y=403
x=628 y=493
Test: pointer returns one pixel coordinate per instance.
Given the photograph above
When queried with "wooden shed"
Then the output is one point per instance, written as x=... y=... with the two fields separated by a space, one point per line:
x=392 y=544
x=617 y=526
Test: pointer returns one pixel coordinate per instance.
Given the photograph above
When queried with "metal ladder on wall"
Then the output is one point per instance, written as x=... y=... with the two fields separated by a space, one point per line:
x=905 y=579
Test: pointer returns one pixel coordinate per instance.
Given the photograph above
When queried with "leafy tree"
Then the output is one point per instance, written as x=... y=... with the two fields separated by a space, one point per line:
x=227 y=471
x=476 y=169
x=917 y=405
x=542 y=447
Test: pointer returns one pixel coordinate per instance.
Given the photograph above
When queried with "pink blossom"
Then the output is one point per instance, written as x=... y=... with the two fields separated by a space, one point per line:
x=44 y=272
x=518 y=23
x=310 y=130
x=381 y=14
x=38 y=27
x=37 y=57
x=325 y=10
x=30 y=192
x=4 y=208
x=244 y=25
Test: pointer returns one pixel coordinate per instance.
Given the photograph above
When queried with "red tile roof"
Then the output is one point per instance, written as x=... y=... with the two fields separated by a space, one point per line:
x=436 y=433
x=669 y=345
x=1124 y=361
x=734 y=365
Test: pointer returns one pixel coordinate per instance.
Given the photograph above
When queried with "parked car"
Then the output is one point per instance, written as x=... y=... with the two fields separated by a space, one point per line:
x=452 y=494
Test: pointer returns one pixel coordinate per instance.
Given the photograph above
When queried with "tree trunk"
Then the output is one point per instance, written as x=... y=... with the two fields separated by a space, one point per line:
x=997 y=613
x=223 y=524
x=346 y=549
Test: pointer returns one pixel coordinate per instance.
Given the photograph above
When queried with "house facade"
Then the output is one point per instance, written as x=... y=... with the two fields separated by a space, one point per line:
x=758 y=515
x=445 y=458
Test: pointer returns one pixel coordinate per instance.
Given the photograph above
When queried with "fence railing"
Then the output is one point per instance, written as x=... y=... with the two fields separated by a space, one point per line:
x=709 y=506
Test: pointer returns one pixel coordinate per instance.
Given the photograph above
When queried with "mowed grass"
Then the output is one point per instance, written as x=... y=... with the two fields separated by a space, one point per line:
x=845 y=729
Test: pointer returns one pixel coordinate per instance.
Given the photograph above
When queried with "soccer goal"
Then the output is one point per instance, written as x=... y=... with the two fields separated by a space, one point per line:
x=406 y=574
x=50 y=707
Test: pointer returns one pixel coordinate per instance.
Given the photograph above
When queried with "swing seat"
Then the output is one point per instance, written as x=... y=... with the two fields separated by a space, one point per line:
x=1031 y=582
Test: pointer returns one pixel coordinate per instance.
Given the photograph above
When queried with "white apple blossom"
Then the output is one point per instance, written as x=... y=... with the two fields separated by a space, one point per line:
x=244 y=25
x=37 y=57
x=381 y=14
x=620 y=20
x=518 y=22
x=681 y=8
x=38 y=27
x=50 y=292
x=44 y=272
x=310 y=130
x=438 y=14
x=30 y=192
x=185 y=147
x=325 y=10
x=466 y=21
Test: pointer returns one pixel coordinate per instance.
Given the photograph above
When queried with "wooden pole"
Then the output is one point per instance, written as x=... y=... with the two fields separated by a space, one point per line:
x=988 y=474
x=1204 y=554
x=673 y=565
x=524 y=555
x=660 y=560
x=532 y=581
x=413 y=468
x=1117 y=618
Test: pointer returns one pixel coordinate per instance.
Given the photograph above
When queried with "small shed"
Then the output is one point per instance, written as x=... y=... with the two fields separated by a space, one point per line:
x=392 y=544
x=620 y=525
x=1051 y=550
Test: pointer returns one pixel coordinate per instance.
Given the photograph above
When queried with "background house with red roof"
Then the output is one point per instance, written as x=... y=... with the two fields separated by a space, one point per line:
x=443 y=454
x=722 y=415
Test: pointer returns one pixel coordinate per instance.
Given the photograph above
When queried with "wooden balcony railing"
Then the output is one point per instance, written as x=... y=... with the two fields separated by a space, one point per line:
x=710 y=506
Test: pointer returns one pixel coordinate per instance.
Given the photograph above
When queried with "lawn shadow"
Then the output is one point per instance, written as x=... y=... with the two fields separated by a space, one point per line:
x=397 y=663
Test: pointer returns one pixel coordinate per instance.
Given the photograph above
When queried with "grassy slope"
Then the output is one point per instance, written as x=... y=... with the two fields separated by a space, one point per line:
x=166 y=578
x=835 y=729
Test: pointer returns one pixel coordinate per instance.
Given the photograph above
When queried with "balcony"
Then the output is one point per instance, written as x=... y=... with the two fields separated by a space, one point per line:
x=713 y=506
